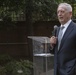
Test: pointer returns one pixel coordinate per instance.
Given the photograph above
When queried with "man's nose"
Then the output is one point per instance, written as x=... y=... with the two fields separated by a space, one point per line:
x=59 y=14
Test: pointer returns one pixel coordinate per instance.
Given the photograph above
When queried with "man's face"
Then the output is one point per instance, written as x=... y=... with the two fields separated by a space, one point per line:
x=63 y=14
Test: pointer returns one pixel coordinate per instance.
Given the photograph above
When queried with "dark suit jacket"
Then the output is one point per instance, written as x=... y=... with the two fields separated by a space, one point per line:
x=65 y=58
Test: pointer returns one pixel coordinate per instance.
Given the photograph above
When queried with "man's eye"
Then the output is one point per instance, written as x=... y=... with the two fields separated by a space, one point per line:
x=62 y=11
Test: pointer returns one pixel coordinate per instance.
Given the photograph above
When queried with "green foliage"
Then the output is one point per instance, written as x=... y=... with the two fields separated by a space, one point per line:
x=2 y=70
x=41 y=9
x=22 y=67
x=11 y=8
x=44 y=10
x=4 y=58
x=10 y=66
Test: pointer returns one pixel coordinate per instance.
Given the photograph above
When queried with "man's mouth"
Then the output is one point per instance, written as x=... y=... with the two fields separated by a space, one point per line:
x=61 y=17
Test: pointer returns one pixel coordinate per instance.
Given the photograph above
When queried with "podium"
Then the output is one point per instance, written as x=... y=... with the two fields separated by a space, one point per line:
x=43 y=60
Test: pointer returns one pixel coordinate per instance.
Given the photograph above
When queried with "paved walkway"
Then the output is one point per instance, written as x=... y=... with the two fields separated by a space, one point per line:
x=50 y=72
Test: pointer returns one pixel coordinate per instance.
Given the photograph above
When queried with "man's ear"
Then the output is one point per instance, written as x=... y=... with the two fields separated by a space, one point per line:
x=71 y=14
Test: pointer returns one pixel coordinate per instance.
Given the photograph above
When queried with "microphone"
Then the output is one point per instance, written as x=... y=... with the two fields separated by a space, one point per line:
x=54 y=31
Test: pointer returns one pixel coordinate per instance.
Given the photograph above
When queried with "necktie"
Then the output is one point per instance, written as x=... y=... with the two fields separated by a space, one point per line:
x=60 y=36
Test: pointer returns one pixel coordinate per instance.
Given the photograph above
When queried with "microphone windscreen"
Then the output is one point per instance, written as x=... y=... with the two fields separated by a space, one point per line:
x=54 y=31
x=55 y=27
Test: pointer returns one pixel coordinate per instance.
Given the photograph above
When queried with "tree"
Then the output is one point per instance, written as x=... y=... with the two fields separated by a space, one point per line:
x=44 y=10
x=11 y=7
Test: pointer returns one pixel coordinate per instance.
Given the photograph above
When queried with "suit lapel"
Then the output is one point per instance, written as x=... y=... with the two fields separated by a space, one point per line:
x=66 y=34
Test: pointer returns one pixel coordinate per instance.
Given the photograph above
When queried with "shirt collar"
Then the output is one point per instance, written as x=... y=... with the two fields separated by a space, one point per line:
x=66 y=24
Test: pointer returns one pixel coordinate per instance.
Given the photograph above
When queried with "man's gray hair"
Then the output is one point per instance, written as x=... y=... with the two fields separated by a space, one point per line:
x=67 y=6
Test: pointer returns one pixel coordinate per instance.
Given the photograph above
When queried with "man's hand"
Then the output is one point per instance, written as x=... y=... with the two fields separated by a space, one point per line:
x=53 y=41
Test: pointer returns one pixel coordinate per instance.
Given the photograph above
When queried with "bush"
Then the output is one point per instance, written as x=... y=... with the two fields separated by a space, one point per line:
x=15 y=67
x=22 y=67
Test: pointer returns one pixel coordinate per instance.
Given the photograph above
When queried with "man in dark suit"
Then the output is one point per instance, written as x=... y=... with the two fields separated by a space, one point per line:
x=65 y=53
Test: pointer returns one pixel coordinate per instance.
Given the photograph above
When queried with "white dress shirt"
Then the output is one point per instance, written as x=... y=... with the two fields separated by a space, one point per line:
x=66 y=26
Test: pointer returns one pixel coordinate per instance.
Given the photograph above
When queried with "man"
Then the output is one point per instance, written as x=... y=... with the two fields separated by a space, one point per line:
x=64 y=48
